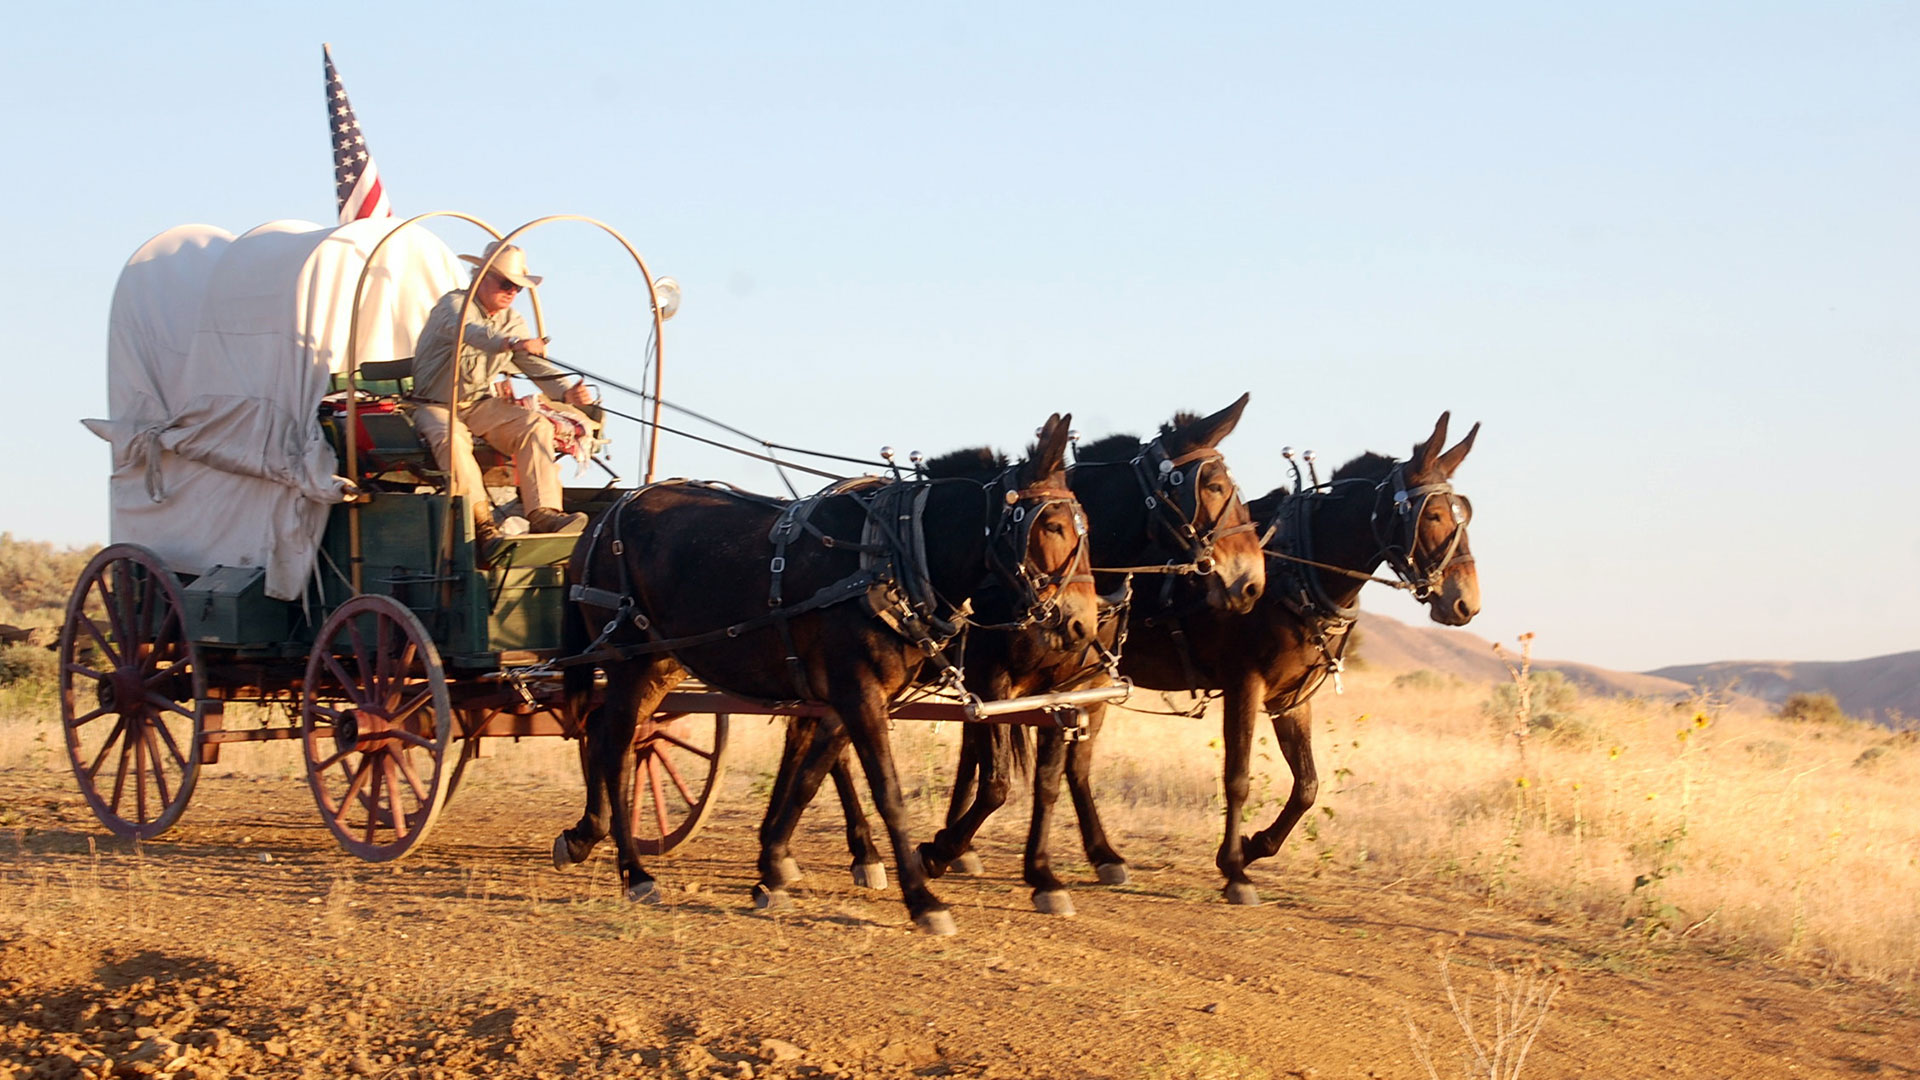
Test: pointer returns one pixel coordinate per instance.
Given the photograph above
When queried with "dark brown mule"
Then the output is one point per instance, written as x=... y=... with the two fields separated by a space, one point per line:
x=1328 y=541
x=1168 y=504
x=839 y=599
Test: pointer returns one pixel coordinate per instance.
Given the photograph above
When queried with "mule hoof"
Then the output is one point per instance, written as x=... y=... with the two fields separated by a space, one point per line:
x=871 y=875
x=1113 y=873
x=968 y=863
x=1053 y=902
x=562 y=854
x=644 y=892
x=771 y=899
x=936 y=923
x=1242 y=894
x=933 y=870
x=786 y=871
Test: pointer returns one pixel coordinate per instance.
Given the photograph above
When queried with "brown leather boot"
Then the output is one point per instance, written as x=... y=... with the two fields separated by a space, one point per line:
x=486 y=540
x=548 y=520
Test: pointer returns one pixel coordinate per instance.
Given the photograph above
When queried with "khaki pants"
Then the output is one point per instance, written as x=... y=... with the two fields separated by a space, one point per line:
x=508 y=428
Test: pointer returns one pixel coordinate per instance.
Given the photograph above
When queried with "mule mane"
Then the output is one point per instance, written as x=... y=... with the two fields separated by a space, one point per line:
x=970 y=463
x=1368 y=466
x=1180 y=420
x=1109 y=448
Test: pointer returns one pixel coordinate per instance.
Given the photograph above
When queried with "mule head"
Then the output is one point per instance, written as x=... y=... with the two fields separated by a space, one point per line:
x=1056 y=552
x=1214 y=508
x=1438 y=549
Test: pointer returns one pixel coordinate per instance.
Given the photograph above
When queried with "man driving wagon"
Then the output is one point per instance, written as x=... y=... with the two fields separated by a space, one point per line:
x=495 y=340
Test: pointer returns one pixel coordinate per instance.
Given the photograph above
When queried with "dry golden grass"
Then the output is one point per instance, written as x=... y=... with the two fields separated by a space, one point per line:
x=1729 y=828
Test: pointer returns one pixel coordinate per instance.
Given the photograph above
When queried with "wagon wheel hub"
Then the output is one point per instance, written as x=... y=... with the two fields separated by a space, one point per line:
x=346 y=732
x=124 y=691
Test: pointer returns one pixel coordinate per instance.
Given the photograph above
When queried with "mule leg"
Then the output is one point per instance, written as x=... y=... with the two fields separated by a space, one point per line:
x=862 y=709
x=974 y=747
x=631 y=690
x=989 y=749
x=1049 y=761
x=1294 y=731
x=867 y=868
x=1106 y=862
x=574 y=845
x=1237 y=723
x=812 y=748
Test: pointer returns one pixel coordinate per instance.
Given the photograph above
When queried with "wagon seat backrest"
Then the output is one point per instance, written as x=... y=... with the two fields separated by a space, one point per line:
x=391 y=451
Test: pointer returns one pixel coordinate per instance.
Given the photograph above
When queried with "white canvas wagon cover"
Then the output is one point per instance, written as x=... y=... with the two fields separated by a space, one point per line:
x=219 y=351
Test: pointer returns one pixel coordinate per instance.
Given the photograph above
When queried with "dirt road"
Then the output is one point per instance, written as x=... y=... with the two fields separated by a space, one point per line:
x=246 y=944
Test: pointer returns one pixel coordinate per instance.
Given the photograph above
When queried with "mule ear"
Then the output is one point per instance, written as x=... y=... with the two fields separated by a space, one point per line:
x=1210 y=431
x=1425 y=453
x=1450 y=460
x=1049 y=454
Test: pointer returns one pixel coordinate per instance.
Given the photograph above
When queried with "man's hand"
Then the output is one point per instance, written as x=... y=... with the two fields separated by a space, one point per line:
x=532 y=346
x=578 y=395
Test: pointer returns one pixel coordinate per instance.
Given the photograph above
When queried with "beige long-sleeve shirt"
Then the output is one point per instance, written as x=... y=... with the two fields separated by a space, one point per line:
x=485 y=352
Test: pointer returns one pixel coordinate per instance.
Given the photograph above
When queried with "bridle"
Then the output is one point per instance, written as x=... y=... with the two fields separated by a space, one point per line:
x=1036 y=591
x=1170 y=489
x=1401 y=551
x=1395 y=523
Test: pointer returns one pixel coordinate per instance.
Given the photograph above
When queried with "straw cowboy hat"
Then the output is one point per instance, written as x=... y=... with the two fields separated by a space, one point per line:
x=511 y=263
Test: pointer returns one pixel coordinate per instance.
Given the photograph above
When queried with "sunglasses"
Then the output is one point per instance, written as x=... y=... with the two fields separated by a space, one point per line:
x=503 y=284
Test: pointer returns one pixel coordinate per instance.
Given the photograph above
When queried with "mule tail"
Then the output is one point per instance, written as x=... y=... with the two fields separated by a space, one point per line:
x=1012 y=748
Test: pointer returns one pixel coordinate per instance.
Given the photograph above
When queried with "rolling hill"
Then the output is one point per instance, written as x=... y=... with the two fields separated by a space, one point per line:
x=1881 y=688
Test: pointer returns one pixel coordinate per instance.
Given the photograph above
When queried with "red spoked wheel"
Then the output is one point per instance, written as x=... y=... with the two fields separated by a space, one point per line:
x=130 y=691
x=377 y=728
x=679 y=761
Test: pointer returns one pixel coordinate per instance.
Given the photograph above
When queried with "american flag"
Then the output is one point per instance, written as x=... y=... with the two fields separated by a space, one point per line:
x=356 y=183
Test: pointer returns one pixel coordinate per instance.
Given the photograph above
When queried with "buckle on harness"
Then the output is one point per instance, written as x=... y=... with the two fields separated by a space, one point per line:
x=778 y=565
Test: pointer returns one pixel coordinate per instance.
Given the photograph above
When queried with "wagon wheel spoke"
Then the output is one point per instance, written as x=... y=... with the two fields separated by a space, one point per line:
x=140 y=771
x=359 y=657
x=674 y=775
x=168 y=626
x=119 y=729
x=401 y=713
x=382 y=661
x=161 y=701
x=683 y=744
x=179 y=664
x=346 y=681
x=85 y=718
x=82 y=669
x=326 y=764
x=413 y=777
x=158 y=765
x=106 y=647
x=120 y=774
x=659 y=797
x=397 y=814
x=358 y=776
x=167 y=735
x=412 y=739
x=398 y=670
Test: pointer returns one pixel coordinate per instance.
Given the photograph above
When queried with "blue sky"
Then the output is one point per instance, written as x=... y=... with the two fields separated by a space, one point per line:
x=1667 y=254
